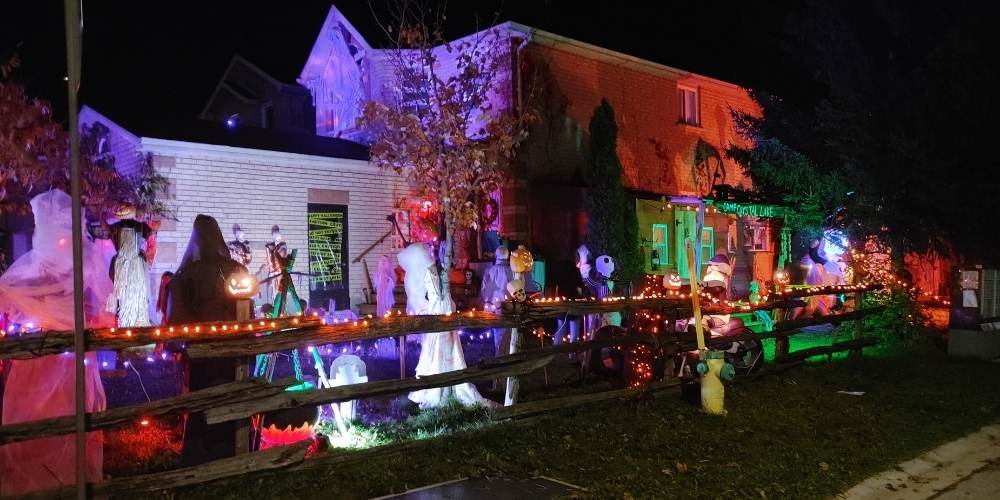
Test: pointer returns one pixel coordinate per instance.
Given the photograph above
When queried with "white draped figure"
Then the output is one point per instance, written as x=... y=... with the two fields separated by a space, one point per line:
x=442 y=351
x=494 y=291
x=38 y=289
x=385 y=282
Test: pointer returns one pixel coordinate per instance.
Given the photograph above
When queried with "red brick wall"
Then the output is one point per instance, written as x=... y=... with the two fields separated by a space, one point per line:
x=646 y=107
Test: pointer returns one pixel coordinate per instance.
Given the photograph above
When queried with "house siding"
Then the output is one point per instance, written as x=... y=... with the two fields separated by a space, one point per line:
x=258 y=189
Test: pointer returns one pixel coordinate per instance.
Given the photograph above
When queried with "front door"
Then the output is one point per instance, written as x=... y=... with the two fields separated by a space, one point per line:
x=328 y=264
x=686 y=222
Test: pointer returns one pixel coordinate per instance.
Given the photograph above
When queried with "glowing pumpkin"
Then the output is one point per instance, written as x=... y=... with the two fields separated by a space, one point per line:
x=521 y=260
x=241 y=285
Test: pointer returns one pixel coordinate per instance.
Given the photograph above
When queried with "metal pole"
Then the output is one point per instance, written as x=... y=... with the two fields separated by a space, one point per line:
x=73 y=61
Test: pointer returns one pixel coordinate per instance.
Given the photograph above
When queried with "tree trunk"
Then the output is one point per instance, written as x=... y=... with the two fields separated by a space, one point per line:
x=444 y=272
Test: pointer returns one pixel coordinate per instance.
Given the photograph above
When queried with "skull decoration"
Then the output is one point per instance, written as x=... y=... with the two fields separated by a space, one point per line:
x=521 y=262
x=605 y=266
x=515 y=288
x=241 y=285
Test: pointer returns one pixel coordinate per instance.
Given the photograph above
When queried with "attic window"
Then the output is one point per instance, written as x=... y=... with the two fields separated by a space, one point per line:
x=240 y=91
x=688 y=100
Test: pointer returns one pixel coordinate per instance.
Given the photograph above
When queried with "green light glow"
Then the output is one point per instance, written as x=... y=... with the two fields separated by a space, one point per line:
x=748 y=209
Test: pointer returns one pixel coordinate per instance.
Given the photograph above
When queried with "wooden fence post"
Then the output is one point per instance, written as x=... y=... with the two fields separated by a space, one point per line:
x=243 y=313
x=858 y=323
x=510 y=395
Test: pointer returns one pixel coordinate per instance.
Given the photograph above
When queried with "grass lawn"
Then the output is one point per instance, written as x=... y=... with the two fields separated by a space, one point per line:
x=787 y=435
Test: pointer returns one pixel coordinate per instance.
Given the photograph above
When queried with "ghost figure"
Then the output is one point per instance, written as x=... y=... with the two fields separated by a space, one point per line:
x=38 y=288
x=348 y=369
x=494 y=291
x=442 y=351
x=385 y=282
x=415 y=264
x=495 y=279
x=583 y=262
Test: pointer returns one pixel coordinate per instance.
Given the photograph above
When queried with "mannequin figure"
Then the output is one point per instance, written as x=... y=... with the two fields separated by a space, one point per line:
x=442 y=351
x=239 y=248
x=130 y=270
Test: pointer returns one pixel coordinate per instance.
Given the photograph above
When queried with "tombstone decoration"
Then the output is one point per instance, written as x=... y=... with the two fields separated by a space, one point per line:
x=347 y=369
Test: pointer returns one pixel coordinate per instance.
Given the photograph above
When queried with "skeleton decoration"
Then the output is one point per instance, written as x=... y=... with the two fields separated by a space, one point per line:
x=239 y=248
x=521 y=261
x=282 y=261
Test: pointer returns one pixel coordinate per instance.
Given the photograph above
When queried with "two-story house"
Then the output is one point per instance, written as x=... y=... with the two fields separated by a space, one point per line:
x=673 y=126
x=251 y=161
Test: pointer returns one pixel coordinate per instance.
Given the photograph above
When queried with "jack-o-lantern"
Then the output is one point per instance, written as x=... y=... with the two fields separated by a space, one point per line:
x=521 y=260
x=672 y=281
x=241 y=285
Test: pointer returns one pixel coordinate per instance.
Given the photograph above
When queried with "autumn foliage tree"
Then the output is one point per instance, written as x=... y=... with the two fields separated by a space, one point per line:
x=448 y=130
x=34 y=157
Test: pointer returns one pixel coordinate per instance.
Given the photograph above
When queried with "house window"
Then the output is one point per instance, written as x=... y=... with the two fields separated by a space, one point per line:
x=758 y=235
x=266 y=116
x=688 y=99
x=660 y=251
x=707 y=244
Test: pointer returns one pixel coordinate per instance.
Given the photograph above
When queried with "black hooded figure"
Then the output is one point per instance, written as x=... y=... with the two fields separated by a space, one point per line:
x=197 y=293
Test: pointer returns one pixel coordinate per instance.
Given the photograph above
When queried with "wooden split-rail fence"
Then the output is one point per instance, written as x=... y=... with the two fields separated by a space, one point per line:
x=247 y=397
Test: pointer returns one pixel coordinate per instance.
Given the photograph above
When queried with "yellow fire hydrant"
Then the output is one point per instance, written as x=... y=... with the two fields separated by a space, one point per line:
x=713 y=367
x=713 y=371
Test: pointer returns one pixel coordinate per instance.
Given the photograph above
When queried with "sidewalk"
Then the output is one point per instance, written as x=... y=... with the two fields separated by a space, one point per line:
x=968 y=468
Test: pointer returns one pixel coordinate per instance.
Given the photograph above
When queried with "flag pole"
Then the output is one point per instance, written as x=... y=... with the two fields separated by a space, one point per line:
x=73 y=62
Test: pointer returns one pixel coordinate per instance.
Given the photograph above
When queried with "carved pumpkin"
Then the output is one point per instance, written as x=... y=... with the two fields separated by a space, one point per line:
x=521 y=260
x=241 y=285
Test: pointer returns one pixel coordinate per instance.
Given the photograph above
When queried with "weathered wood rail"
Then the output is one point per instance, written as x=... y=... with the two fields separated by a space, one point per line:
x=239 y=400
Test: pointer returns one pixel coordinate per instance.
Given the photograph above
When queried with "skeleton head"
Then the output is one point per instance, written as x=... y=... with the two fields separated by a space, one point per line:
x=605 y=266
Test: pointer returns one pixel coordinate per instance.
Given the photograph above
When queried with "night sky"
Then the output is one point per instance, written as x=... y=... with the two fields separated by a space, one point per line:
x=145 y=62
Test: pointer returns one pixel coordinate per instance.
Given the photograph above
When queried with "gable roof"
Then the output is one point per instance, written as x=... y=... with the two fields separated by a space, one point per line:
x=323 y=45
x=209 y=132
x=239 y=60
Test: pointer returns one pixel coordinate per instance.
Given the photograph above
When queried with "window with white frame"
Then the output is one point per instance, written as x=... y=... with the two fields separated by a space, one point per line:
x=758 y=235
x=688 y=100
x=707 y=244
x=660 y=247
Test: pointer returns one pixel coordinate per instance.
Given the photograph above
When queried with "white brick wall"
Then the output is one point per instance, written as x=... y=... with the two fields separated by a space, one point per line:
x=258 y=189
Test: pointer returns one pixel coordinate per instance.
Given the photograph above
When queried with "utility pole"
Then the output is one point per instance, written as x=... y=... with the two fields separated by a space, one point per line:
x=73 y=62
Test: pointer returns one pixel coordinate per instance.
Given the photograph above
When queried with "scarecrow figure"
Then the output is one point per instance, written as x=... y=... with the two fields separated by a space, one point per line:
x=130 y=269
